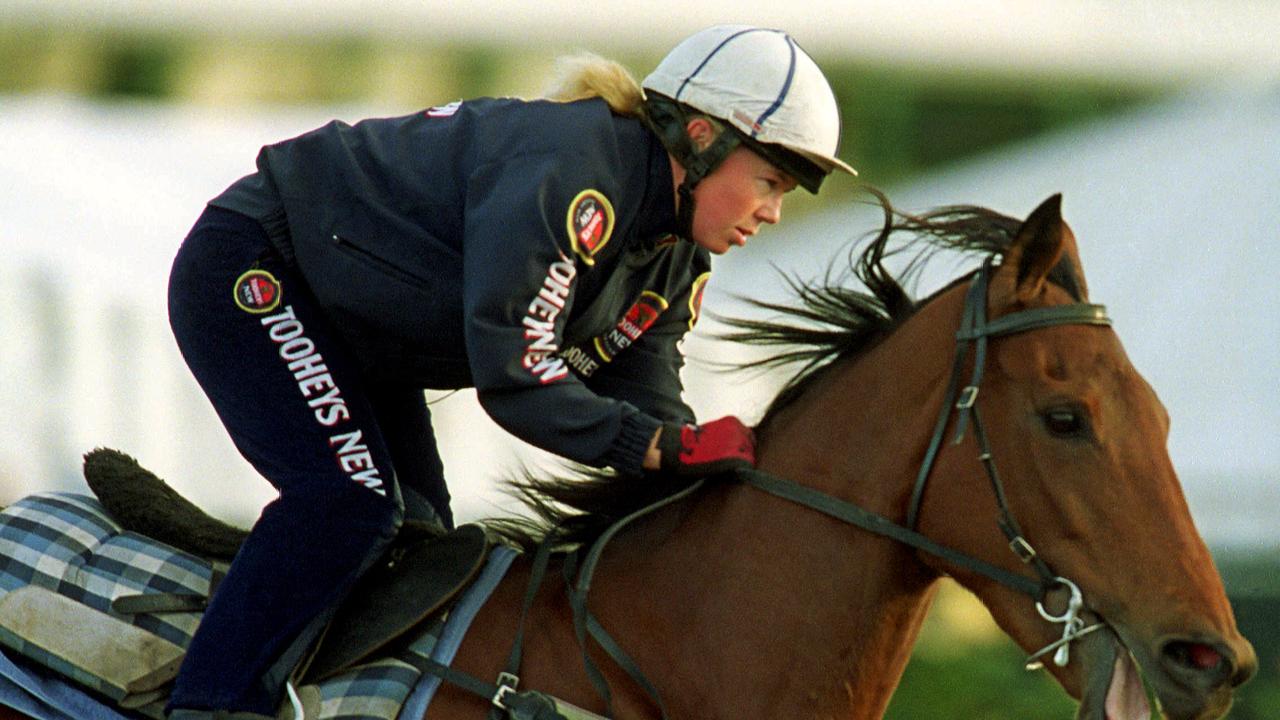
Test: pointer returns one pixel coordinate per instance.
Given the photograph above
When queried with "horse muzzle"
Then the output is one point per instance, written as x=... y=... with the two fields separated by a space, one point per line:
x=1192 y=676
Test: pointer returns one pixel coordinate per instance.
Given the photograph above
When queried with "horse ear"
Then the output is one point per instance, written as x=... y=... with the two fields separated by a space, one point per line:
x=1035 y=251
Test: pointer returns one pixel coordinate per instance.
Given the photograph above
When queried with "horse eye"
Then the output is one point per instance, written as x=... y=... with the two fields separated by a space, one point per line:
x=1064 y=422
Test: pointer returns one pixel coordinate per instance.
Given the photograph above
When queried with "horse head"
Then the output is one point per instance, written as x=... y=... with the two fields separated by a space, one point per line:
x=1079 y=438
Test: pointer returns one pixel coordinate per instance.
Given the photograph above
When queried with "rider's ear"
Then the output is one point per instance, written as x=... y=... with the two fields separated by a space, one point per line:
x=701 y=132
x=1036 y=250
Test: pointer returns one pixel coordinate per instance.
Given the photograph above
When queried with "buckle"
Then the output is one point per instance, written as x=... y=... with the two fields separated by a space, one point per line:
x=968 y=396
x=1022 y=549
x=506 y=683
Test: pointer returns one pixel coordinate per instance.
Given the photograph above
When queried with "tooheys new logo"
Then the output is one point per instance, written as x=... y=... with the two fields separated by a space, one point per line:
x=589 y=224
x=323 y=396
x=641 y=316
x=539 y=322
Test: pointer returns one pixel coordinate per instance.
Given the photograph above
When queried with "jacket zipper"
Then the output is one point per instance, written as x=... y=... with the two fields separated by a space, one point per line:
x=381 y=263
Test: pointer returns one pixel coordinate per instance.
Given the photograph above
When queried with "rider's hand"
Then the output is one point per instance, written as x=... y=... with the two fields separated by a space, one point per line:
x=712 y=447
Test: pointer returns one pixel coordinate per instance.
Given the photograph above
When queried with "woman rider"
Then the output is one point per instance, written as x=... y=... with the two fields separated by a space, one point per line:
x=551 y=254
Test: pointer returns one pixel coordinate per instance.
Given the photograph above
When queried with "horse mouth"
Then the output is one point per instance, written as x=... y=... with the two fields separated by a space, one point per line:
x=1126 y=697
x=1119 y=684
x=1113 y=688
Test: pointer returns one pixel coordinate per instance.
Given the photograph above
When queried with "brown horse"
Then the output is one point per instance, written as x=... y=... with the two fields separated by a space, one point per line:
x=737 y=603
x=768 y=597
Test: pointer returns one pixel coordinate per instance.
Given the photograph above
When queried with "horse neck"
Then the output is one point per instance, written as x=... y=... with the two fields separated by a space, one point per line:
x=860 y=432
x=808 y=616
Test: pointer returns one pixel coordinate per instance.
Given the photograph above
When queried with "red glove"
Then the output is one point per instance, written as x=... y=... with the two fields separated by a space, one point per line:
x=714 y=447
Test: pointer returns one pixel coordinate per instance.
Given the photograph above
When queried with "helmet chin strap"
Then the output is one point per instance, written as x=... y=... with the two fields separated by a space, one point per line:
x=684 y=211
x=669 y=121
x=698 y=166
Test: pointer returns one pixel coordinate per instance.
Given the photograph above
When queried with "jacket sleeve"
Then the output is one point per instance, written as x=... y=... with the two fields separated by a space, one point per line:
x=520 y=268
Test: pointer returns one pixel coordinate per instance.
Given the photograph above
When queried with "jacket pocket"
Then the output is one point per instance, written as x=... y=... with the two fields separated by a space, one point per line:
x=357 y=251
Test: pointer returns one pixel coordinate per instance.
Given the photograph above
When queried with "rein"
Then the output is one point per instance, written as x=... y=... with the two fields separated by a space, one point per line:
x=974 y=333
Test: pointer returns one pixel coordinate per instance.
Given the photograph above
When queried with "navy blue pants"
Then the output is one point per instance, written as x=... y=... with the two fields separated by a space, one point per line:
x=340 y=447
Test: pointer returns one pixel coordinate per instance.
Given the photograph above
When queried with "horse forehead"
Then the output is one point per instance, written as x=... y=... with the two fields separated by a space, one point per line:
x=1079 y=359
x=1070 y=356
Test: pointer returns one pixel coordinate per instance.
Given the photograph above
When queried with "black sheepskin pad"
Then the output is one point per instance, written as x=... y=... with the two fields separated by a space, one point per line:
x=145 y=504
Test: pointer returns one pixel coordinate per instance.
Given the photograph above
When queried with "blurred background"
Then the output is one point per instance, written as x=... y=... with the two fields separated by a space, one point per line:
x=1159 y=120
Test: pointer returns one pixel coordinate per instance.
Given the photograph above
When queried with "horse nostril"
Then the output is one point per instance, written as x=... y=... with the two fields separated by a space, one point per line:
x=1203 y=656
x=1200 y=658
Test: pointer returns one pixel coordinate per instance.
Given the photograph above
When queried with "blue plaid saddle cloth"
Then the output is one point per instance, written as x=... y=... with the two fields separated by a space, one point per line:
x=67 y=543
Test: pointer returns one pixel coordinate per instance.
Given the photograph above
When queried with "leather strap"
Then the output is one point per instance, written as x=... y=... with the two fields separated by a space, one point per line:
x=160 y=603
x=578 y=601
x=1035 y=318
x=507 y=701
x=536 y=575
x=880 y=525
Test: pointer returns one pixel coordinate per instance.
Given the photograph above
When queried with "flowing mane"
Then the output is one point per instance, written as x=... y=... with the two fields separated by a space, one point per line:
x=831 y=322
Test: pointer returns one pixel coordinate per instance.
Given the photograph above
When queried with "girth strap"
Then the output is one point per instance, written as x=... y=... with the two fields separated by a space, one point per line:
x=509 y=703
x=536 y=574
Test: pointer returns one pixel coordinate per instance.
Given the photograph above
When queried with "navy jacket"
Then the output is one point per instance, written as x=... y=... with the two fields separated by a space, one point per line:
x=523 y=248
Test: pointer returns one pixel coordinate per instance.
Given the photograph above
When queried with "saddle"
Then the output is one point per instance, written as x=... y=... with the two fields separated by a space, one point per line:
x=414 y=580
x=419 y=575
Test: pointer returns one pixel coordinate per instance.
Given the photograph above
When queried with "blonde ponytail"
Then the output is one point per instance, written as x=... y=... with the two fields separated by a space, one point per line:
x=588 y=76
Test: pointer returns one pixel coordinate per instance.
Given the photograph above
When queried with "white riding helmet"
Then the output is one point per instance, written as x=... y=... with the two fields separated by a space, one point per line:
x=764 y=85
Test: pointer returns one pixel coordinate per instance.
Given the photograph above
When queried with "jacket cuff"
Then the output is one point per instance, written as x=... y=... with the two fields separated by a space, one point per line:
x=626 y=455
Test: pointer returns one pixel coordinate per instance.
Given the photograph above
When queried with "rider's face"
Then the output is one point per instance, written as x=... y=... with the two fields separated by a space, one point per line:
x=741 y=194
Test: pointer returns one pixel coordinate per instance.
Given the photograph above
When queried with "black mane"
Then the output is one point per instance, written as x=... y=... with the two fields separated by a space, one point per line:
x=830 y=322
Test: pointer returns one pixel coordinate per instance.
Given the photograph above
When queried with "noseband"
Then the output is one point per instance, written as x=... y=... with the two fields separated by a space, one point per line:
x=974 y=333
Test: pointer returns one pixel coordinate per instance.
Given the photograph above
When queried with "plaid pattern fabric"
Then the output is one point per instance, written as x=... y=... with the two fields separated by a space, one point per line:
x=42 y=536
x=68 y=544
x=377 y=690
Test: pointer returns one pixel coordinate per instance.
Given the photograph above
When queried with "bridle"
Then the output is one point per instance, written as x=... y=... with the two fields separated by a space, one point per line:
x=974 y=333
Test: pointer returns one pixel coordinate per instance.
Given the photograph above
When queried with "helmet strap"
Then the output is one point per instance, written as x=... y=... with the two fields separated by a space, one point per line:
x=684 y=213
x=669 y=120
x=698 y=166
